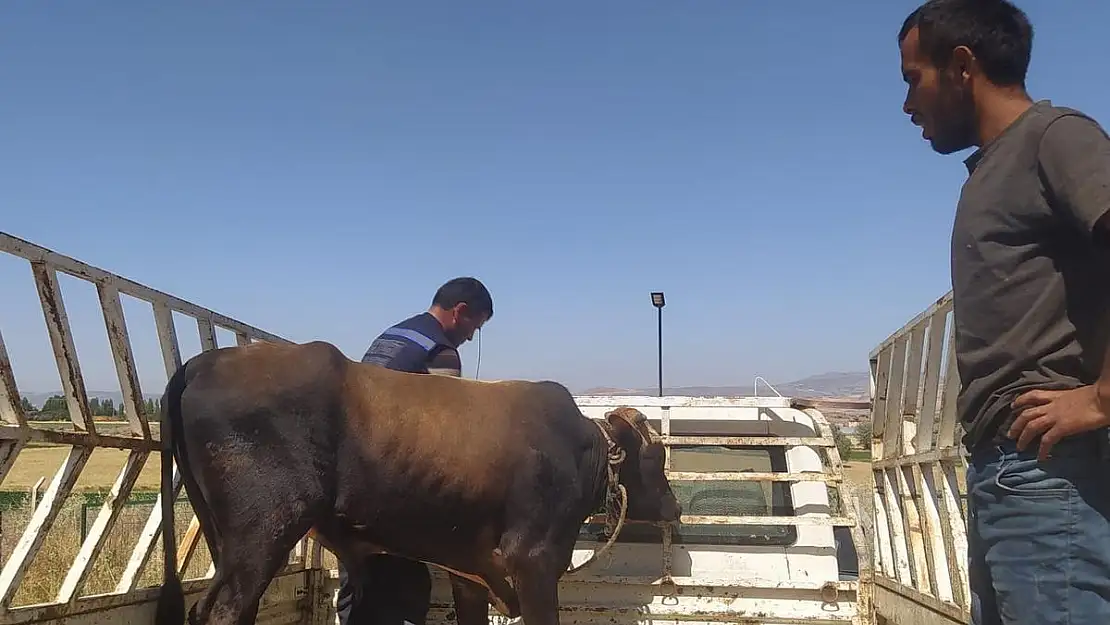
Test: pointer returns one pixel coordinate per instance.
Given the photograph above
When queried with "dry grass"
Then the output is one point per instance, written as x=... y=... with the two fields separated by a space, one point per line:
x=59 y=550
x=46 y=573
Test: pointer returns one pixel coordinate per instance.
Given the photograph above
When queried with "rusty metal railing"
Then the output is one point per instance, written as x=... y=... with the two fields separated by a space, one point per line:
x=918 y=465
x=16 y=432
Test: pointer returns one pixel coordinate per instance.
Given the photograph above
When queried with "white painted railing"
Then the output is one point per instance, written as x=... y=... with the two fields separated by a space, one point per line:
x=918 y=464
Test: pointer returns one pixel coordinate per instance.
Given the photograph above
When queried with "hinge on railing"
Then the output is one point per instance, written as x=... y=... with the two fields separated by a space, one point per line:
x=666 y=585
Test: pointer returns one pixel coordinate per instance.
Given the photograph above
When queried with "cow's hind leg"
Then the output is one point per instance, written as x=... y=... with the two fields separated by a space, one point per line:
x=252 y=554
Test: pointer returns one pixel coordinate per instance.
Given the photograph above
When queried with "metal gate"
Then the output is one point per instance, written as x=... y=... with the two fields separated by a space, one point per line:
x=82 y=436
x=919 y=470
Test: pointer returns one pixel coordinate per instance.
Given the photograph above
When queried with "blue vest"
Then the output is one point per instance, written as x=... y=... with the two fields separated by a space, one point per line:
x=409 y=345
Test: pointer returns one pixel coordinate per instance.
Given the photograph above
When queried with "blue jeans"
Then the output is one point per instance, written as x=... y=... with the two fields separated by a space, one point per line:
x=1039 y=534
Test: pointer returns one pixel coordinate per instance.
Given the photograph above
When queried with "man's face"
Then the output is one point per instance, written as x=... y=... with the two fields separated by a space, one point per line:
x=938 y=99
x=464 y=323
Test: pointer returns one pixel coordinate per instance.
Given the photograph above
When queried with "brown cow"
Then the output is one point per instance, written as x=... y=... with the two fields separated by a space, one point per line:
x=488 y=480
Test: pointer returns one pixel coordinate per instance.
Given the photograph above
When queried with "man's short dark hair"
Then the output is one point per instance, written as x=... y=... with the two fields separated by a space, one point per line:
x=997 y=33
x=465 y=290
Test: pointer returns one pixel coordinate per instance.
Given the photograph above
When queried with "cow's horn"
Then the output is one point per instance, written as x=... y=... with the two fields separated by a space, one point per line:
x=637 y=420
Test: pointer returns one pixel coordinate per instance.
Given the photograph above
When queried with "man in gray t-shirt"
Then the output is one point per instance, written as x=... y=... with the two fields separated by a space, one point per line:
x=1031 y=289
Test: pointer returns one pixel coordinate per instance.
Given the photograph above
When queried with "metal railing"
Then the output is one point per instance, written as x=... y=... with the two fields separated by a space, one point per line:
x=918 y=465
x=82 y=438
x=755 y=386
x=658 y=410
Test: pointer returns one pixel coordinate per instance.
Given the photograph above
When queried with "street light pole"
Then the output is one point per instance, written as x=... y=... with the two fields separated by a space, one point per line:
x=659 y=302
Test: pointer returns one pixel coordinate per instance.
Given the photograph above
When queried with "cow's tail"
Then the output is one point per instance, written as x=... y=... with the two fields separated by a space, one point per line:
x=171 y=599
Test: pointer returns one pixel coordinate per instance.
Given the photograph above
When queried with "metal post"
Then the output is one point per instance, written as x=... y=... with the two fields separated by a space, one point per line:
x=660 y=309
x=659 y=301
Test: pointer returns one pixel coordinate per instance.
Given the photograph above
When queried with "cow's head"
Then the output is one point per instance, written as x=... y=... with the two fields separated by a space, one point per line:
x=650 y=497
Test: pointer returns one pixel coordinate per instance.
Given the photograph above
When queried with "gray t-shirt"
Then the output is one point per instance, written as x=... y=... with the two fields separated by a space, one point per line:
x=1030 y=273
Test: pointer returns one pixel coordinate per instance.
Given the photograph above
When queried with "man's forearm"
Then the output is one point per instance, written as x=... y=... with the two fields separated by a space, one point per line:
x=1102 y=386
x=455 y=372
x=446 y=362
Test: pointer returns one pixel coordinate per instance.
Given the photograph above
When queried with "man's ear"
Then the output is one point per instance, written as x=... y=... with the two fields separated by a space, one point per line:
x=963 y=63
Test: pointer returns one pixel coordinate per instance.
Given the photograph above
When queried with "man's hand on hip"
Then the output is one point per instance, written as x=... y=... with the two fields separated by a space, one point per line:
x=1052 y=415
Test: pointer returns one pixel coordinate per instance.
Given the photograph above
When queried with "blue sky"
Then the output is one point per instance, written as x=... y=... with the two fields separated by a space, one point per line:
x=318 y=169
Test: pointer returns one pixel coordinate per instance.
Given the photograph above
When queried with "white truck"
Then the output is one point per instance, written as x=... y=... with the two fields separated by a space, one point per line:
x=770 y=533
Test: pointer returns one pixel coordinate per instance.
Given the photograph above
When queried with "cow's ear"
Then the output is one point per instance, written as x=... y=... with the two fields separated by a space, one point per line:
x=653 y=458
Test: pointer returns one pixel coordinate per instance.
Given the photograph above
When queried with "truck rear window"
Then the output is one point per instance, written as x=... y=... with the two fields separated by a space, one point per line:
x=721 y=498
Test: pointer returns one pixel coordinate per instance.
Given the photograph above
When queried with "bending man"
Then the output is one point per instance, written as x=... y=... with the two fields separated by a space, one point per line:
x=388 y=590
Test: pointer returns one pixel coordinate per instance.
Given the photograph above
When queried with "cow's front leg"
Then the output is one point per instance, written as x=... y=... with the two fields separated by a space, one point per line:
x=471 y=604
x=536 y=578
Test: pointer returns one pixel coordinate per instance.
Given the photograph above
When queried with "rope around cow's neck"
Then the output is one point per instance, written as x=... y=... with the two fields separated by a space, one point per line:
x=615 y=457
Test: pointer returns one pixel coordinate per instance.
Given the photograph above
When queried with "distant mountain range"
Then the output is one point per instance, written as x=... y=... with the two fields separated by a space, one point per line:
x=842 y=385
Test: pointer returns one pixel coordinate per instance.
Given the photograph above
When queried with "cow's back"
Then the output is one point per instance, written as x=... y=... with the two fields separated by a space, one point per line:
x=460 y=439
x=468 y=430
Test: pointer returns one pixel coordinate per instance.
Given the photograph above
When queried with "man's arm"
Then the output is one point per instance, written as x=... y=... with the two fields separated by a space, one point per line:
x=1075 y=164
x=1074 y=161
x=446 y=362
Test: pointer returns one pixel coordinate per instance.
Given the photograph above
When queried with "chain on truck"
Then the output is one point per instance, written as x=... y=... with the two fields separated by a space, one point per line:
x=768 y=518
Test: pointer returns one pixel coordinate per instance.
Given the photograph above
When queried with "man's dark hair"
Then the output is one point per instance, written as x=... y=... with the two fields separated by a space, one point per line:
x=997 y=33
x=467 y=290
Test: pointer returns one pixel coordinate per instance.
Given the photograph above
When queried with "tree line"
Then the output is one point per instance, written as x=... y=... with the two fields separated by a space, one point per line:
x=847 y=444
x=55 y=408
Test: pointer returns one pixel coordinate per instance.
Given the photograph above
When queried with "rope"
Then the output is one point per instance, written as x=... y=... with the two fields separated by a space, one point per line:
x=614 y=487
x=612 y=537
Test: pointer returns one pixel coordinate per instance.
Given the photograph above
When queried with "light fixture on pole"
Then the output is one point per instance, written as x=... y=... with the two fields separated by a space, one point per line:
x=659 y=302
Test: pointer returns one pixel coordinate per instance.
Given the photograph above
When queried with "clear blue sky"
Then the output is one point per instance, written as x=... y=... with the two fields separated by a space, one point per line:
x=318 y=169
